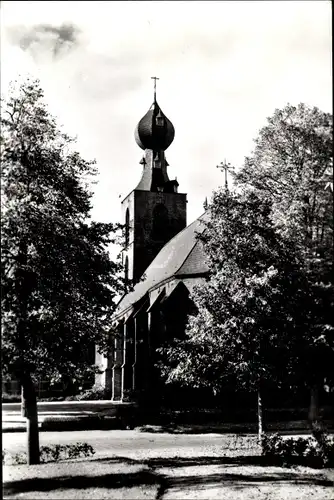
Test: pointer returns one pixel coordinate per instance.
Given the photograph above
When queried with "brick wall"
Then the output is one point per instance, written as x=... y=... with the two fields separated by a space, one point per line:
x=147 y=242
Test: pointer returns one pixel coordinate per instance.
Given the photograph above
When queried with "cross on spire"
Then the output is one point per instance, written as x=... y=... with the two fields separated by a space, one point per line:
x=155 y=78
x=225 y=167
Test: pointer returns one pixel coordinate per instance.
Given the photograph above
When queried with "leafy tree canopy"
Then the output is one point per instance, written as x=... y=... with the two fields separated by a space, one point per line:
x=58 y=282
x=249 y=317
x=292 y=164
x=266 y=311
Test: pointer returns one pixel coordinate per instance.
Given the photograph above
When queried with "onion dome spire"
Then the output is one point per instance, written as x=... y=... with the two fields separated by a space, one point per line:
x=154 y=131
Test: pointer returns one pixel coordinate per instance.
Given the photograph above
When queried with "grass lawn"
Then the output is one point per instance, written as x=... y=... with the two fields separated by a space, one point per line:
x=80 y=479
x=235 y=472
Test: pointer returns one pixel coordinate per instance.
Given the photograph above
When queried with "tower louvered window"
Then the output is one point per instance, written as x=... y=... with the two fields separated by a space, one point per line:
x=127 y=227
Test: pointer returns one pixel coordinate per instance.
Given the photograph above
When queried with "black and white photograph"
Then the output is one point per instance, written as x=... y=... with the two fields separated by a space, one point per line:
x=167 y=281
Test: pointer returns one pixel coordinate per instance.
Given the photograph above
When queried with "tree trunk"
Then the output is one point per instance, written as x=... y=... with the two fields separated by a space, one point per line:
x=314 y=405
x=29 y=410
x=317 y=428
x=28 y=393
x=313 y=415
x=260 y=425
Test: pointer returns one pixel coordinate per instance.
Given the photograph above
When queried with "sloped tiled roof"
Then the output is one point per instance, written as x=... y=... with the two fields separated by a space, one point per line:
x=182 y=256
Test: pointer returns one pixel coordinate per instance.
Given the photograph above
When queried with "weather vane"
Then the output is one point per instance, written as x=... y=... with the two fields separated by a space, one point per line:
x=226 y=167
x=155 y=78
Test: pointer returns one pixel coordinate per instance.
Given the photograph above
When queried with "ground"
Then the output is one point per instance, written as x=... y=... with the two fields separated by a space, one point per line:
x=131 y=464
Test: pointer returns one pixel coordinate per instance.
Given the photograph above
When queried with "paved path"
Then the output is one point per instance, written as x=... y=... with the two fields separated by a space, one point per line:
x=12 y=411
x=61 y=410
x=162 y=466
x=56 y=412
x=130 y=443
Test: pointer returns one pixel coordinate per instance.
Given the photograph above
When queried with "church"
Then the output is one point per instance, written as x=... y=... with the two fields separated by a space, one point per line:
x=163 y=260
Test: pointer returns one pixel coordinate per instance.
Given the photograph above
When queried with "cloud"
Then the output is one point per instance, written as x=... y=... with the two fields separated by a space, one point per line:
x=223 y=67
x=57 y=40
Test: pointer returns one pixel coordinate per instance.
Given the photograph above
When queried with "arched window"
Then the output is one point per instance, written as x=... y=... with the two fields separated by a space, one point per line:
x=127 y=227
x=160 y=222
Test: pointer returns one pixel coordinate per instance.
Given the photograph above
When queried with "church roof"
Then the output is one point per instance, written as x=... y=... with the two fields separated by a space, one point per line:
x=183 y=256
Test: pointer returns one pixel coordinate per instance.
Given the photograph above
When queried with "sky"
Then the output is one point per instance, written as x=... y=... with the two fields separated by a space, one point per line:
x=223 y=68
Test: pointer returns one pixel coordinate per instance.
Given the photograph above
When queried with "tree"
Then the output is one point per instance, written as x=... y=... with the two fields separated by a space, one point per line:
x=270 y=252
x=58 y=282
x=251 y=309
x=292 y=163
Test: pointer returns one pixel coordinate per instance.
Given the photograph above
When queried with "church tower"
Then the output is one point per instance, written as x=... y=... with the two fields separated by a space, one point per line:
x=154 y=211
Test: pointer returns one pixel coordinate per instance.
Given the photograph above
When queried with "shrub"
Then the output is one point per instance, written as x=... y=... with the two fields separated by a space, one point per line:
x=10 y=398
x=58 y=452
x=13 y=459
x=51 y=399
x=314 y=452
x=94 y=394
x=53 y=453
x=135 y=396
